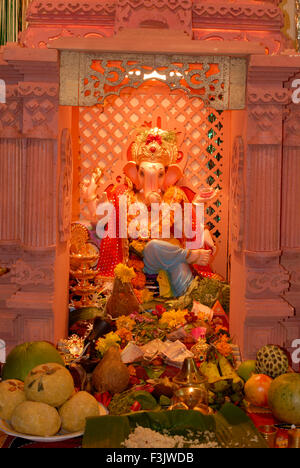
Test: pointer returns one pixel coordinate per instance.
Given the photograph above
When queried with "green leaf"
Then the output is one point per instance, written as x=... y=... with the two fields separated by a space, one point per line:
x=231 y=426
x=112 y=431
x=154 y=373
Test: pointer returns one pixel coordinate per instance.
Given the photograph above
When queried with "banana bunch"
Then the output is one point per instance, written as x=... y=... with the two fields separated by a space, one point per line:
x=223 y=382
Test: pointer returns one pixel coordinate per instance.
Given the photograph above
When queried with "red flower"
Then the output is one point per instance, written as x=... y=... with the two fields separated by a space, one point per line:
x=136 y=406
x=191 y=317
x=104 y=398
x=133 y=380
x=159 y=310
x=152 y=138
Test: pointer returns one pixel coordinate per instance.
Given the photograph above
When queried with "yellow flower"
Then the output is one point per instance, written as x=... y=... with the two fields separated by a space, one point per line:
x=124 y=273
x=173 y=317
x=103 y=344
x=125 y=322
x=112 y=338
x=138 y=245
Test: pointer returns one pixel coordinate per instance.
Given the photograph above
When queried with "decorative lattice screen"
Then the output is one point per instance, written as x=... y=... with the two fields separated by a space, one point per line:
x=105 y=136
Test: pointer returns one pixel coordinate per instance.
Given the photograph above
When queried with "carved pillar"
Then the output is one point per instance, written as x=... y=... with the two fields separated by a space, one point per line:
x=258 y=316
x=40 y=211
x=290 y=221
x=35 y=228
x=290 y=228
x=12 y=163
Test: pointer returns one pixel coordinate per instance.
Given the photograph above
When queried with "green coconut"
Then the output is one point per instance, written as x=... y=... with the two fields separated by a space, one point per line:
x=24 y=357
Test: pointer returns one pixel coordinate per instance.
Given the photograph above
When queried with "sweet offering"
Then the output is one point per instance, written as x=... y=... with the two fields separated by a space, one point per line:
x=74 y=412
x=49 y=383
x=35 y=418
x=11 y=395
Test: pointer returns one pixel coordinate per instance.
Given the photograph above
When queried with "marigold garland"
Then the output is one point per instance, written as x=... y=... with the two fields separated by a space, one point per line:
x=124 y=273
x=125 y=322
x=223 y=346
x=125 y=336
x=139 y=281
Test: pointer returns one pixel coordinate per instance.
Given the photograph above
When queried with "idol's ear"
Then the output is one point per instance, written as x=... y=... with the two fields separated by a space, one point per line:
x=131 y=171
x=173 y=174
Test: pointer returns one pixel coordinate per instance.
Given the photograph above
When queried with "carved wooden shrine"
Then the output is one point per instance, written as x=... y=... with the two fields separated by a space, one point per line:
x=60 y=115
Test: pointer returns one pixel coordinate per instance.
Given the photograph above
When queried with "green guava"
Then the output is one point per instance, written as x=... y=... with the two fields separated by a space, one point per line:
x=247 y=369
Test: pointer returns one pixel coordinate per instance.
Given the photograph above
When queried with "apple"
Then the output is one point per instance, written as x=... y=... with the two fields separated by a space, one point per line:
x=257 y=389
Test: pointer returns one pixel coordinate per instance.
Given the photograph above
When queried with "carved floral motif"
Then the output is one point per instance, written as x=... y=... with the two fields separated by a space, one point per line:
x=274 y=281
x=40 y=108
x=232 y=11
x=27 y=274
x=200 y=78
x=38 y=89
x=53 y=9
x=291 y=127
x=176 y=14
x=11 y=113
x=267 y=96
x=265 y=112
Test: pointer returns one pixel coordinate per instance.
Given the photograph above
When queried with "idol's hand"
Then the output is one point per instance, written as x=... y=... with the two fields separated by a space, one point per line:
x=199 y=257
x=208 y=241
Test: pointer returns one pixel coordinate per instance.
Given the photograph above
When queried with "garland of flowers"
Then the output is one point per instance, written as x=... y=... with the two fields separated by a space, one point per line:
x=158 y=323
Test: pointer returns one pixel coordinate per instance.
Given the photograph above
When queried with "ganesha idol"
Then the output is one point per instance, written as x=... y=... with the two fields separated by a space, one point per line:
x=151 y=175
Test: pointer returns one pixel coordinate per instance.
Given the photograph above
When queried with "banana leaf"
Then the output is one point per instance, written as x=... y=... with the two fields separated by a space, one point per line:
x=231 y=427
x=235 y=429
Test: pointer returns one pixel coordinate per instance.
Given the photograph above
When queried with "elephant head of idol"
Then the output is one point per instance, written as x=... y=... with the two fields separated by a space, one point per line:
x=153 y=167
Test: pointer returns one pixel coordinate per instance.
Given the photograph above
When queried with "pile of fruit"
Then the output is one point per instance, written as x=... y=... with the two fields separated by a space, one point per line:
x=223 y=382
x=269 y=384
x=44 y=401
x=39 y=395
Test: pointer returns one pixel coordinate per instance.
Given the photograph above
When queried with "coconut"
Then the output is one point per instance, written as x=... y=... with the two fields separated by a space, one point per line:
x=74 y=412
x=111 y=374
x=24 y=357
x=11 y=395
x=49 y=383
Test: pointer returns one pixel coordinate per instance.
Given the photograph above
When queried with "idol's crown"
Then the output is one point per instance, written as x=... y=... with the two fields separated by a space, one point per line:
x=155 y=145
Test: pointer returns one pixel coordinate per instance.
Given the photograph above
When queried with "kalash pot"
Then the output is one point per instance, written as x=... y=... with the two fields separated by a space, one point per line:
x=191 y=391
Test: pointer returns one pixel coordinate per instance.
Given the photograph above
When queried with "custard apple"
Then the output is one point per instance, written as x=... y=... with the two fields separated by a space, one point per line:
x=272 y=361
